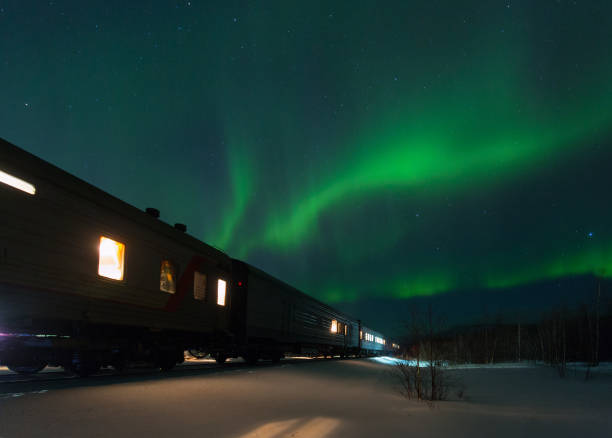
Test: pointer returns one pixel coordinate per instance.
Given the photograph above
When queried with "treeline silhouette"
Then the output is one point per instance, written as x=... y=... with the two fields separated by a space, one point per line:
x=562 y=335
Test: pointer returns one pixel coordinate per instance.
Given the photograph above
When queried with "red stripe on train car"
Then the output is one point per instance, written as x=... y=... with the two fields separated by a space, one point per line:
x=184 y=284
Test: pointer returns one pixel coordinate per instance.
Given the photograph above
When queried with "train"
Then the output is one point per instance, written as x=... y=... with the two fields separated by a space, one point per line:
x=89 y=281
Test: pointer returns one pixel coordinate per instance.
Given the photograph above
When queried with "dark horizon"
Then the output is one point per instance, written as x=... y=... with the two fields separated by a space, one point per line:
x=525 y=305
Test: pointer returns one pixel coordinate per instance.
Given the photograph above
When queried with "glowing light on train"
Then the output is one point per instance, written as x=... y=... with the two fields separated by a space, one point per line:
x=17 y=183
x=111 y=261
x=221 y=285
x=167 y=279
x=334 y=326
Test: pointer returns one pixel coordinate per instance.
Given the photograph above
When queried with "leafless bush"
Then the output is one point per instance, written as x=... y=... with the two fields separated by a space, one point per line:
x=426 y=379
x=429 y=383
x=410 y=381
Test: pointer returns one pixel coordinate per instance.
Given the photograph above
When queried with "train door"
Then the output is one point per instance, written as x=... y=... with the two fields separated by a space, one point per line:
x=238 y=302
x=286 y=320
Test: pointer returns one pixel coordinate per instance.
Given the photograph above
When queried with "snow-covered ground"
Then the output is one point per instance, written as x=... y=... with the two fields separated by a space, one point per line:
x=573 y=368
x=350 y=398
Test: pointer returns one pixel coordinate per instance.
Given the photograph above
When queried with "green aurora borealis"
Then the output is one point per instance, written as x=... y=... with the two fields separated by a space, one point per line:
x=354 y=149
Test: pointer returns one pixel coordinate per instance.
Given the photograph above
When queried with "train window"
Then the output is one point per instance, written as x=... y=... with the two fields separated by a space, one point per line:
x=345 y=330
x=221 y=289
x=17 y=183
x=167 y=278
x=199 y=286
x=111 y=258
x=360 y=334
x=334 y=326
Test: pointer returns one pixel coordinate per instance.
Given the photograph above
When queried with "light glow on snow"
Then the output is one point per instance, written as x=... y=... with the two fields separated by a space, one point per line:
x=314 y=427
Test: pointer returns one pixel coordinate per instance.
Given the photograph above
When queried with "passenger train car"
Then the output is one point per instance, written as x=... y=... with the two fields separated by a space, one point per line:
x=87 y=280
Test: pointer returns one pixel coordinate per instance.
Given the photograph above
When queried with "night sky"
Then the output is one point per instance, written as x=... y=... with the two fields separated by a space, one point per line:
x=369 y=153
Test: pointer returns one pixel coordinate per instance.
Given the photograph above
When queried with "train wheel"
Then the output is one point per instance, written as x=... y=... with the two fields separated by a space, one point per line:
x=120 y=365
x=220 y=358
x=167 y=366
x=31 y=368
x=166 y=362
x=251 y=358
x=198 y=354
x=84 y=364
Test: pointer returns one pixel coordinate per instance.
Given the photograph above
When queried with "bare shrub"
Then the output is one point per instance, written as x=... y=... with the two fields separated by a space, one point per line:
x=410 y=380
x=426 y=377
x=429 y=383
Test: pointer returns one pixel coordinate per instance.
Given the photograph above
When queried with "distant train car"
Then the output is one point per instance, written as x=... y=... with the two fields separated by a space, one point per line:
x=372 y=342
x=272 y=318
x=95 y=281
x=87 y=280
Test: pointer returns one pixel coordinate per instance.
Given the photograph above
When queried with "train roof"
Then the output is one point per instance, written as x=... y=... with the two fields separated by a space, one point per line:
x=29 y=167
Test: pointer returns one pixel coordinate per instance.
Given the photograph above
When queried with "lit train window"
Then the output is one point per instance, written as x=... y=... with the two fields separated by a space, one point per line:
x=334 y=326
x=111 y=258
x=360 y=334
x=345 y=330
x=17 y=183
x=199 y=286
x=221 y=289
x=167 y=278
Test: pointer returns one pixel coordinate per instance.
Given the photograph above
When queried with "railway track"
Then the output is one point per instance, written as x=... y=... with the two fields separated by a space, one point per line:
x=189 y=367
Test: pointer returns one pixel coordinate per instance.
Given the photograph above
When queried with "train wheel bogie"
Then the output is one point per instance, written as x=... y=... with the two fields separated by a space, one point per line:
x=198 y=354
x=84 y=363
x=166 y=361
x=119 y=364
x=220 y=358
x=251 y=358
x=26 y=360
x=30 y=368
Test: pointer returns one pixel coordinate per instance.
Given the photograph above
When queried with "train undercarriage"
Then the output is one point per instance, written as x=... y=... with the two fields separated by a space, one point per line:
x=85 y=354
